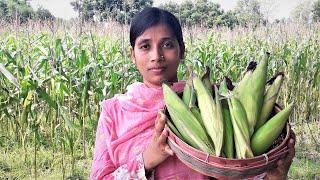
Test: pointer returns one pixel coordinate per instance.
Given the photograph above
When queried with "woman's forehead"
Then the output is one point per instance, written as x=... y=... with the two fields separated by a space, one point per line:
x=156 y=31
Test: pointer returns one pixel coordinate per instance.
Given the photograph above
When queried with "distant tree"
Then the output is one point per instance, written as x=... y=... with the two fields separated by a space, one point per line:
x=19 y=11
x=228 y=19
x=99 y=10
x=267 y=7
x=3 y=10
x=248 y=12
x=316 y=10
x=15 y=10
x=303 y=11
x=44 y=14
x=200 y=12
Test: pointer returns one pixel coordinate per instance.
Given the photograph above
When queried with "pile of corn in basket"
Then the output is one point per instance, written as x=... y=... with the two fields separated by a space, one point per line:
x=229 y=132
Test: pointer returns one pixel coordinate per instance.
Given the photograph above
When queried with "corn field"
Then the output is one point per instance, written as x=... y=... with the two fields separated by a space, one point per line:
x=53 y=77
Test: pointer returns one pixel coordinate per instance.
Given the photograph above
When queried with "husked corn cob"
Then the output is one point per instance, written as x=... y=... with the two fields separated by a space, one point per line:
x=263 y=138
x=185 y=122
x=211 y=114
x=270 y=97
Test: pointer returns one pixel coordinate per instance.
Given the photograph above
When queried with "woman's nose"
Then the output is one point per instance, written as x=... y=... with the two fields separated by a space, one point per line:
x=156 y=54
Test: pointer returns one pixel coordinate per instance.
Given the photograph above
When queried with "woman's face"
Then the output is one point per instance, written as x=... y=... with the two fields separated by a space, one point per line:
x=157 y=55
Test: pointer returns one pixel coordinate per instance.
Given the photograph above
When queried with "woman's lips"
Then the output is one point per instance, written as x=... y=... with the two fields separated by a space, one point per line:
x=157 y=70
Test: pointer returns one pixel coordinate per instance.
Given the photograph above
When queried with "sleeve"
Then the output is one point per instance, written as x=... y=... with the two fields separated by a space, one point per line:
x=102 y=165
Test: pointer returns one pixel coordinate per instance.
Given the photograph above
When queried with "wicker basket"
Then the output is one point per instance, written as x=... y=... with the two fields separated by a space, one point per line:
x=223 y=168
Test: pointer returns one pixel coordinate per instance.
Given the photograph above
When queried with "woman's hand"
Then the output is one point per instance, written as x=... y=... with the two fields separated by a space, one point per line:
x=283 y=165
x=158 y=150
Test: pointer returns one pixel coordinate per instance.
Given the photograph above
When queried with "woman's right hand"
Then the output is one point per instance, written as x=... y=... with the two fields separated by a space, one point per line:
x=158 y=150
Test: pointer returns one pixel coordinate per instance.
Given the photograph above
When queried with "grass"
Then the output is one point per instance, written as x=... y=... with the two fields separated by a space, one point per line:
x=304 y=168
x=12 y=166
x=306 y=164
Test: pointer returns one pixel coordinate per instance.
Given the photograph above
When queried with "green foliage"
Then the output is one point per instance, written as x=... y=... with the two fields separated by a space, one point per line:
x=316 y=10
x=303 y=11
x=44 y=14
x=248 y=12
x=228 y=19
x=100 y=10
x=15 y=9
x=51 y=119
x=21 y=11
x=204 y=13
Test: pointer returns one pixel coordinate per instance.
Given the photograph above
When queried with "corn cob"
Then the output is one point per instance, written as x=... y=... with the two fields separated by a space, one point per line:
x=189 y=96
x=241 y=129
x=251 y=91
x=270 y=97
x=206 y=80
x=219 y=120
x=196 y=112
x=211 y=114
x=185 y=122
x=228 y=143
x=263 y=138
x=174 y=130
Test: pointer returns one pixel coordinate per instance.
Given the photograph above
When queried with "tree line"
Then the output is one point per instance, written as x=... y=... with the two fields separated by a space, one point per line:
x=198 y=12
x=21 y=11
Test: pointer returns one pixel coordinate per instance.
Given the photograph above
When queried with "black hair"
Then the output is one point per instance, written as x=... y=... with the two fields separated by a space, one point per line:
x=151 y=16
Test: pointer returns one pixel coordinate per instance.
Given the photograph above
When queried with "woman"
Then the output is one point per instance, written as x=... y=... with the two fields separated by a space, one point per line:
x=130 y=138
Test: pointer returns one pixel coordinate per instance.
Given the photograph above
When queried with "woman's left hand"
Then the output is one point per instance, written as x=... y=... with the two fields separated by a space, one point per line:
x=283 y=165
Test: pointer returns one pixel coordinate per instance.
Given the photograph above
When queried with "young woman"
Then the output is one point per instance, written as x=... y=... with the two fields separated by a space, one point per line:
x=131 y=139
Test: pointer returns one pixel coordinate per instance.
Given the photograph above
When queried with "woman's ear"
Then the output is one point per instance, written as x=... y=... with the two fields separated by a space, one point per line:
x=132 y=55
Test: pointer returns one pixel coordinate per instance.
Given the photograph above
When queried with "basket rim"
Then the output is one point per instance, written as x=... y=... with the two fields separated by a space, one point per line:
x=279 y=148
x=231 y=168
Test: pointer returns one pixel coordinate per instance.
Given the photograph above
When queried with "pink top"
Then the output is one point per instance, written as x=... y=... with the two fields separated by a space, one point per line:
x=124 y=130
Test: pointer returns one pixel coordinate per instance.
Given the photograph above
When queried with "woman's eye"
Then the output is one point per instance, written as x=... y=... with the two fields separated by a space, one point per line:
x=168 y=45
x=144 y=46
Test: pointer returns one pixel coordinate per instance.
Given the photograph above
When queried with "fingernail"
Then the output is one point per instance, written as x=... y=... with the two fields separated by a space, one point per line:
x=165 y=132
x=171 y=153
x=161 y=115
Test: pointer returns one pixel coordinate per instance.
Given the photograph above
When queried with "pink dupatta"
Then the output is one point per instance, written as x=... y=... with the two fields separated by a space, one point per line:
x=125 y=127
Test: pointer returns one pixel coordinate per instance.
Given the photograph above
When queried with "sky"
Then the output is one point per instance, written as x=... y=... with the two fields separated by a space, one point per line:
x=63 y=9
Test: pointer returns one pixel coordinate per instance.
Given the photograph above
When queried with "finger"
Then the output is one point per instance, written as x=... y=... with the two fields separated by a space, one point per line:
x=293 y=135
x=161 y=123
x=163 y=137
x=286 y=162
x=168 y=150
x=291 y=152
x=291 y=143
x=158 y=129
x=280 y=164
